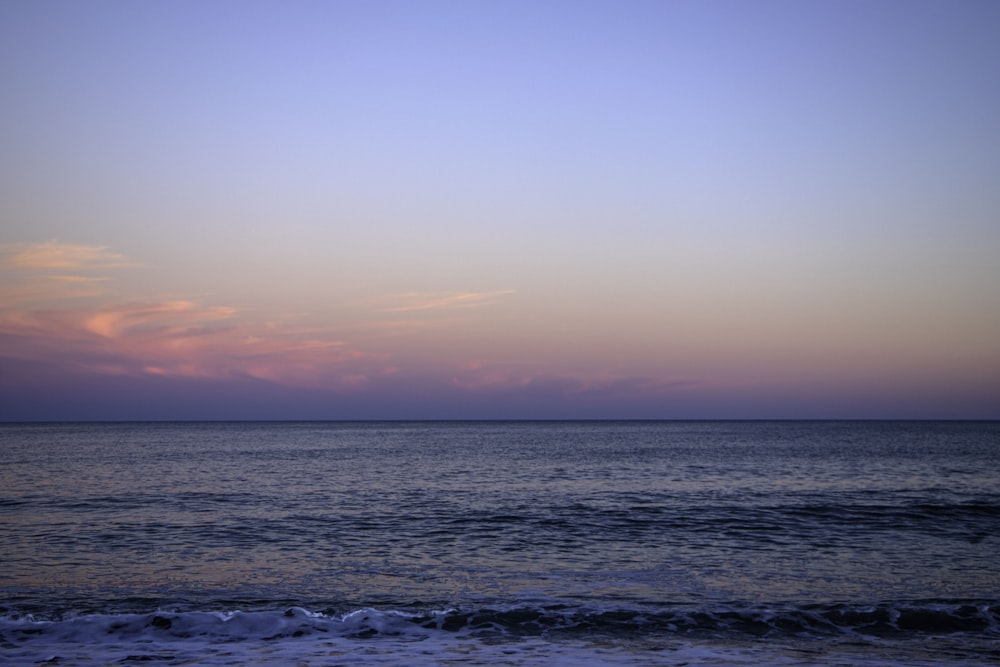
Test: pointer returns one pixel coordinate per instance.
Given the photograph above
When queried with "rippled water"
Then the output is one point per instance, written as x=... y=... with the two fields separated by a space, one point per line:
x=873 y=538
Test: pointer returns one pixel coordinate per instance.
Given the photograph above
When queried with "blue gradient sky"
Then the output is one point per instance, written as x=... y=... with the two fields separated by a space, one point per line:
x=499 y=209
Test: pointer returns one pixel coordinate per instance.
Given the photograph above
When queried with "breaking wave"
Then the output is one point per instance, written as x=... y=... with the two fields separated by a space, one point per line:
x=981 y=618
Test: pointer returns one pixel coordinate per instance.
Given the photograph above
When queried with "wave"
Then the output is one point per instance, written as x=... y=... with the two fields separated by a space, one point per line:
x=896 y=620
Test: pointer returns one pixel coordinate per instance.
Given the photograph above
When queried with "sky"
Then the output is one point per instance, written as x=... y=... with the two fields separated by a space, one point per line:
x=499 y=209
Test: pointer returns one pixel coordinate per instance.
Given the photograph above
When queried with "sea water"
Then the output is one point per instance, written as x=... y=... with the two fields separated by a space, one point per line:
x=489 y=543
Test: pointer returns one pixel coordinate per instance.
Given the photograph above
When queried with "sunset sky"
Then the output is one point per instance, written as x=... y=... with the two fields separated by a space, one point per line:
x=356 y=210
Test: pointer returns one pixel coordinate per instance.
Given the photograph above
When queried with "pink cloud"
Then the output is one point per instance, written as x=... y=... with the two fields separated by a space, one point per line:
x=167 y=338
x=168 y=317
x=83 y=329
x=184 y=339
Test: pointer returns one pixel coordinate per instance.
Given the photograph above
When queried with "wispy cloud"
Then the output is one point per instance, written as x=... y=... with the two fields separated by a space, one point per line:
x=57 y=309
x=169 y=317
x=184 y=339
x=50 y=271
x=434 y=301
x=55 y=256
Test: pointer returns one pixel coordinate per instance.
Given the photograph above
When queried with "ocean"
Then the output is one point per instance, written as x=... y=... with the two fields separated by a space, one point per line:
x=500 y=543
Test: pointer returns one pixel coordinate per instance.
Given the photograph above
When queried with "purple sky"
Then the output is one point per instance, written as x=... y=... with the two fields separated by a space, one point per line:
x=354 y=210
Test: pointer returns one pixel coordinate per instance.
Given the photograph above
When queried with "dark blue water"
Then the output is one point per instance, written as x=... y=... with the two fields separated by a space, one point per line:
x=801 y=540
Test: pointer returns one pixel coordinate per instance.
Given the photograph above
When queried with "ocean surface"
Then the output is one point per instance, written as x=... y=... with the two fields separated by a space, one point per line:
x=500 y=543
